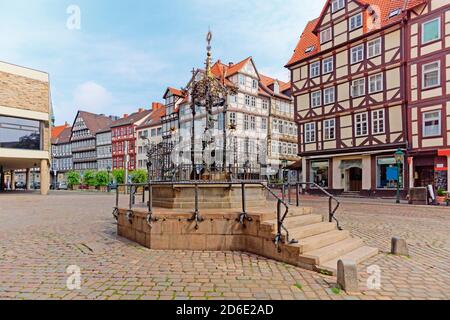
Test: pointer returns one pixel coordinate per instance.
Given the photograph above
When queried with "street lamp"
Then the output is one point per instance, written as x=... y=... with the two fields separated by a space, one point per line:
x=399 y=157
x=108 y=169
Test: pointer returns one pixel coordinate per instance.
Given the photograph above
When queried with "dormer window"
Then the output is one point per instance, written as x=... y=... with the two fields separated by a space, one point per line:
x=394 y=13
x=356 y=22
x=276 y=87
x=337 y=5
x=325 y=35
x=309 y=49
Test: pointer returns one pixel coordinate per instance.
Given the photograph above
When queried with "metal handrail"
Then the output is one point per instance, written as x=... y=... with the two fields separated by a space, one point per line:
x=331 y=210
x=244 y=216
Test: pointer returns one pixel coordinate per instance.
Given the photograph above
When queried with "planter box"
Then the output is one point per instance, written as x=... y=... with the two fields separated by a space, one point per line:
x=92 y=188
x=76 y=187
x=103 y=188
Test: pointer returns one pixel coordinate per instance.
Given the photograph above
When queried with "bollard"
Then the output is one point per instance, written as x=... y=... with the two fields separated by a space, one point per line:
x=399 y=247
x=347 y=276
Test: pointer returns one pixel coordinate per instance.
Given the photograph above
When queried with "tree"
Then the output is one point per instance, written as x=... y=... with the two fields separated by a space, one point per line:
x=102 y=178
x=139 y=176
x=89 y=179
x=73 y=178
x=119 y=176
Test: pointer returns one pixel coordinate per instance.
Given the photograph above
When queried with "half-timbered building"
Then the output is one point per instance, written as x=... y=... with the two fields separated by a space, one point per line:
x=350 y=84
x=428 y=57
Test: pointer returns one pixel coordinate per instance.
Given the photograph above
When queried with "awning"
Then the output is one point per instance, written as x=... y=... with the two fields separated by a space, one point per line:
x=444 y=153
x=295 y=166
x=347 y=164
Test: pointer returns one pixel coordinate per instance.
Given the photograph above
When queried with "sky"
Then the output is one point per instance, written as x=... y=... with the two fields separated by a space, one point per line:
x=115 y=57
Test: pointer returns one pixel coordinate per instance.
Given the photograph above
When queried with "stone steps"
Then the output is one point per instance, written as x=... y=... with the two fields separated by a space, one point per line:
x=320 y=245
x=308 y=231
x=294 y=221
x=319 y=256
x=321 y=240
x=358 y=255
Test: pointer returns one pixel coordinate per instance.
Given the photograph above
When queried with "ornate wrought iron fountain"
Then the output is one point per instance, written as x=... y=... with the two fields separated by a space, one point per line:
x=210 y=93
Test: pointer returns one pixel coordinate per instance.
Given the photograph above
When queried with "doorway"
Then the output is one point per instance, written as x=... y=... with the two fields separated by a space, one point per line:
x=355 y=179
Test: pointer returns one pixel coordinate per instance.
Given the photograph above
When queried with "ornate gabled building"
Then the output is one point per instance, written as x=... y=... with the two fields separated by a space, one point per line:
x=282 y=128
x=351 y=84
x=83 y=139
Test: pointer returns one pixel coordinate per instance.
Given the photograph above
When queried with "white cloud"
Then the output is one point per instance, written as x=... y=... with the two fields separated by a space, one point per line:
x=92 y=97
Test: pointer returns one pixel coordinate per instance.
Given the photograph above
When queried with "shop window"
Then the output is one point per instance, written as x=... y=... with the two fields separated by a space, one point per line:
x=387 y=173
x=320 y=173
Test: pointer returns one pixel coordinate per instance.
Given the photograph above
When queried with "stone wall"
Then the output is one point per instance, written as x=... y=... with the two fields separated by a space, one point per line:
x=24 y=93
x=218 y=232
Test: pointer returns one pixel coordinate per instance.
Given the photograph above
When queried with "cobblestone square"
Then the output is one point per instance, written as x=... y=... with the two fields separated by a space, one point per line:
x=40 y=237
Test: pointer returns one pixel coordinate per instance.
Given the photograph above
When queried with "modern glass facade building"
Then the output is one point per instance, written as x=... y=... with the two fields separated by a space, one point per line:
x=25 y=119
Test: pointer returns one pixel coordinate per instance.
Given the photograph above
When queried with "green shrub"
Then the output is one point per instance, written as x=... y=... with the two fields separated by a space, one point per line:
x=102 y=178
x=89 y=179
x=441 y=192
x=73 y=178
x=119 y=176
x=139 y=176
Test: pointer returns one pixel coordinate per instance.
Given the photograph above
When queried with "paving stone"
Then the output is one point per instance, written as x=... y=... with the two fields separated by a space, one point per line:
x=47 y=235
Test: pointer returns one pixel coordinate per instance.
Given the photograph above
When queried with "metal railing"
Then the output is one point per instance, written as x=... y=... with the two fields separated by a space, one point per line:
x=243 y=216
x=286 y=192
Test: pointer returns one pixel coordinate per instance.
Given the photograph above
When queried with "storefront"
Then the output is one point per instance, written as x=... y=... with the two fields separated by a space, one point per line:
x=371 y=175
x=431 y=169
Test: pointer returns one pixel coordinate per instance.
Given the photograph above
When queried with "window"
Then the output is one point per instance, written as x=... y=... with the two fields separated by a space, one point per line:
x=263 y=123
x=253 y=123
x=16 y=133
x=357 y=54
x=328 y=65
x=255 y=84
x=431 y=30
x=325 y=35
x=330 y=129
x=328 y=96
x=356 y=22
x=432 y=124
x=431 y=76
x=358 y=88
x=310 y=49
x=247 y=100
x=246 y=122
x=374 y=48
x=394 y=13
x=310 y=132
x=320 y=173
x=253 y=101
x=361 y=126
x=265 y=104
x=388 y=176
x=316 y=99
x=233 y=118
x=315 y=69
x=337 y=5
x=242 y=80
x=376 y=83
x=378 y=122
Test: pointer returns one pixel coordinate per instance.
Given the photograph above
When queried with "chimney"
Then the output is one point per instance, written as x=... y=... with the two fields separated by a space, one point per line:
x=156 y=106
x=230 y=64
x=141 y=110
x=125 y=115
